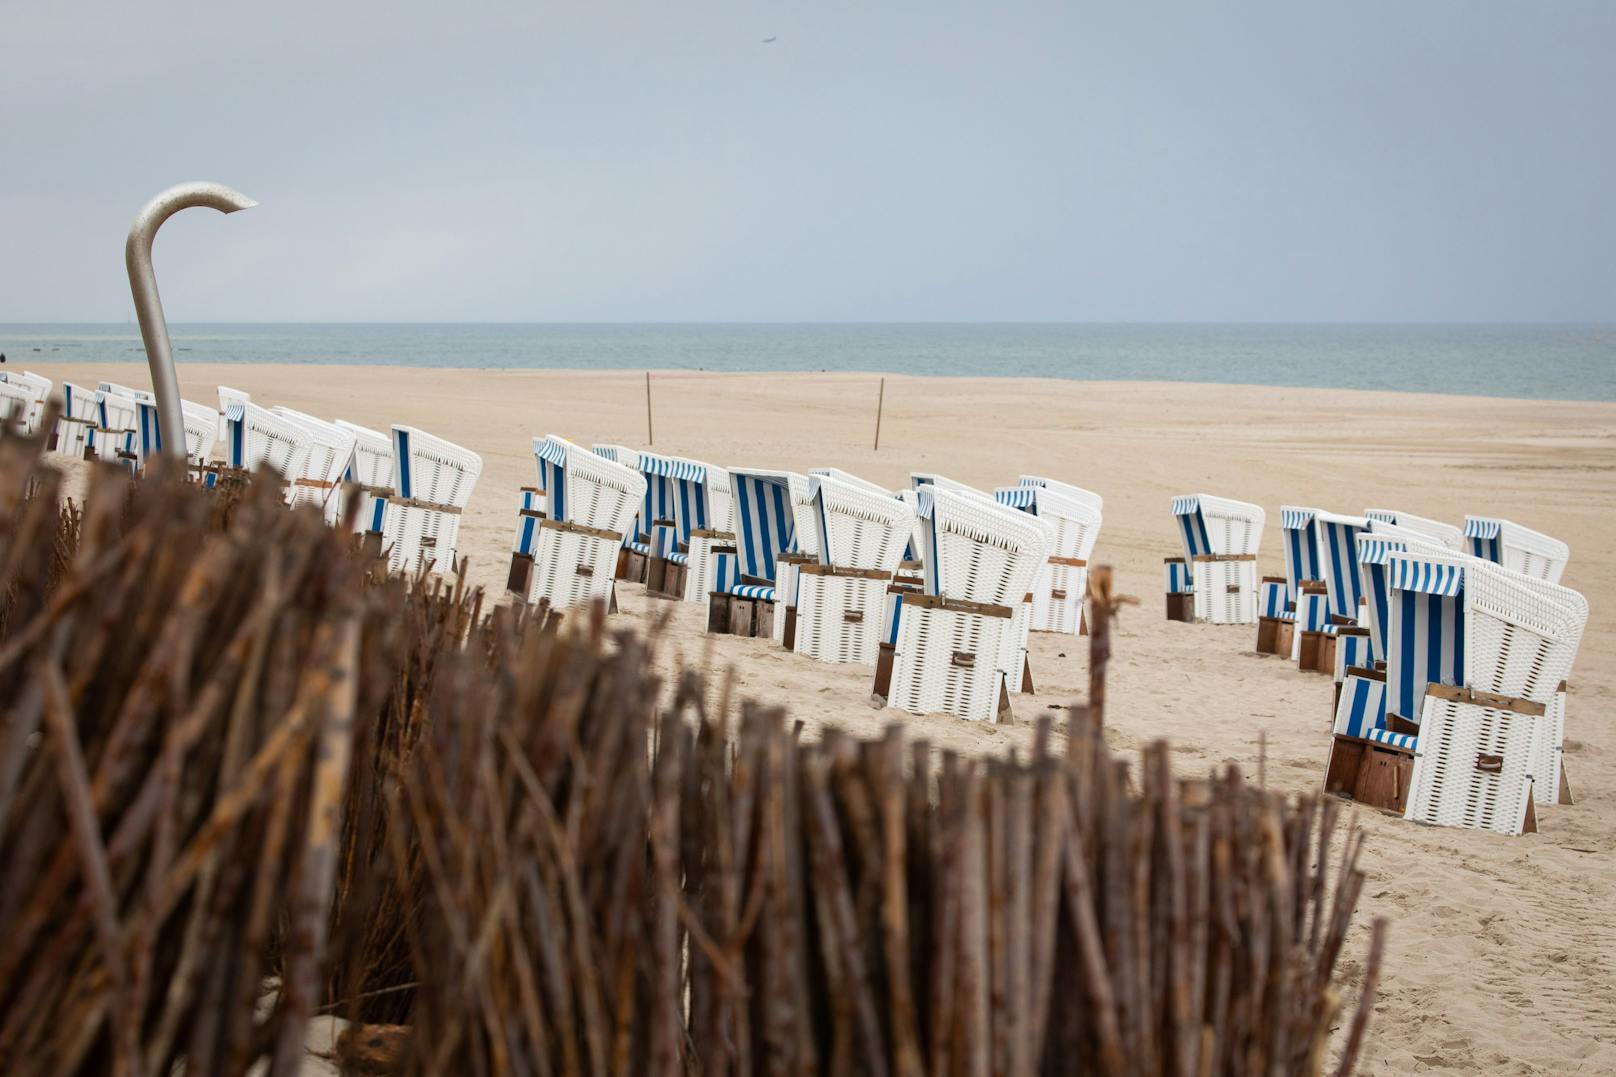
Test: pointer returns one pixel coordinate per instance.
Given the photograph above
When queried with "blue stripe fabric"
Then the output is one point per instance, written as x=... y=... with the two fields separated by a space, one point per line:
x=1362 y=708
x=1018 y=497
x=749 y=590
x=1425 y=645
x=1339 y=540
x=401 y=460
x=377 y=507
x=1353 y=651
x=1271 y=600
x=1312 y=611
x=1178 y=577
x=764 y=524
x=1192 y=528
x=1395 y=740
x=1301 y=550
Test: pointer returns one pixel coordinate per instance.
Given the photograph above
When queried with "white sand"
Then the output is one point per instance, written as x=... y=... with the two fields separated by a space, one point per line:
x=1502 y=955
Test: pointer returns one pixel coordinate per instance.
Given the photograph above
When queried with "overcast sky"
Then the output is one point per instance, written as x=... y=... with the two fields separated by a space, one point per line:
x=598 y=160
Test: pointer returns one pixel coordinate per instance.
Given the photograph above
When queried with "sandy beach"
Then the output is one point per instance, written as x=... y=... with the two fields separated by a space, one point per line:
x=1502 y=953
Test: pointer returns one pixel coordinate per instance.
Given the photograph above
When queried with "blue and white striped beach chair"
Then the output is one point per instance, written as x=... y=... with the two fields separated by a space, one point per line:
x=116 y=439
x=1074 y=514
x=635 y=549
x=590 y=502
x=76 y=426
x=1472 y=718
x=676 y=507
x=953 y=641
x=433 y=481
x=862 y=532
x=1517 y=548
x=257 y=436
x=29 y=392
x=201 y=431
x=754 y=589
x=1444 y=535
x=369 y=479
x=1220 y=538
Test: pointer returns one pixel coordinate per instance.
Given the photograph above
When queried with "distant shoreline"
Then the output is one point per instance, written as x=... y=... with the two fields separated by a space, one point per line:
x=1536 y=362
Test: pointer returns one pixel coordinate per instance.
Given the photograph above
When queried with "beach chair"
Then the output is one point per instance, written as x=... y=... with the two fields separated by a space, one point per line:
x=862 y=531
x=27 y=393
x=1221 y=538
x=201 y=431
x=1464 y=726
x=675 y=507
x=1442 y=534
x=258 y=436
x=1518 y=548
x=228 y=397
x=954 y=638
x=76 y=426
x=589 y=502
x=320 y=469
x=433 y=481
x=369 y=479
x=632 y=556
x=1074 y=514
x=1335 y=538
x=716 y=503
x=16 y=402
x=754 y=590
x=115 y=424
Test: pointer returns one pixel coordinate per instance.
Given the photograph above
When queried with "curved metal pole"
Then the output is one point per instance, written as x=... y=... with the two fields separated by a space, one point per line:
x=137 y=255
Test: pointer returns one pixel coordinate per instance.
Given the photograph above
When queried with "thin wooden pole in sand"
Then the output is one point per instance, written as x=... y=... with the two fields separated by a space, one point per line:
x=880 y=400
x=649 y=440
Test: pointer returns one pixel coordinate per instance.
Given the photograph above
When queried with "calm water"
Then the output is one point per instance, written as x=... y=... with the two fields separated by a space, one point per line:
x=1570 y=362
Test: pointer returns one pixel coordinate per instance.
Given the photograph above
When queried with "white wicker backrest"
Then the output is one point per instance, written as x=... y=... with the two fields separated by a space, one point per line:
x=1522 y=633
x=373 y=456
x=260 y=436
x=37 y=388
x=803 y=515
x=859 y=527
x=16 y=404
x=1075 y=492
x=1517 y=548
x=428 y=468
x=227 y=397
x=119 y=407
x=1233 y=527
x=201 y=430
x=598 y=492
x=847 y=477
x=1076 y=522
x=986 y=551
x=331 y=449
x=1442 y=534
x=720 y=505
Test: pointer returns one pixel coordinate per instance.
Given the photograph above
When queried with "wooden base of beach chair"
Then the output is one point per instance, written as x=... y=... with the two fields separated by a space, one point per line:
x=718 y=613
x=1374 y=775
x=1314 y=655
x=1026 y=676
x=790 y=640
x=370 y=545
x=1563 y=796
x=883 y=671
x=1180 y=607
x=729 y=615
x=520 y=574
x=1083 y=622
x=1274 y=635
x=664 y=578
x=1005 y=716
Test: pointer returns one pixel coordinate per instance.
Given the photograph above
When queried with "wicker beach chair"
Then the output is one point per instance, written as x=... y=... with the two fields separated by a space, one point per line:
x=1518 y=548
x=117 y=408
x=28 y=392
x=368 y=478
x=201 y=431
x=861 y=532
x=1221 y=538
x=981 y=558
x=589 y=502
x=321 y=469
x=1074 y=514
x=677 y=506
x=433 y=481
x=76 y=426
x=1464 y=726
x=754 y=588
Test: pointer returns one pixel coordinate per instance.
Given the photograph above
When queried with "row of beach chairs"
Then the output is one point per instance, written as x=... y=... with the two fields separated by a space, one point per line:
x=1451 y=647
x=411 y=487
x=935 y=587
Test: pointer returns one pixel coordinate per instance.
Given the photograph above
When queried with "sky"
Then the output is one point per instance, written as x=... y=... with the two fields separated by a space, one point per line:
x=879 y=160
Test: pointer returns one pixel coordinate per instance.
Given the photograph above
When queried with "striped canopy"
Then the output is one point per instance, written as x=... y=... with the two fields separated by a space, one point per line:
x=1018 y=497
x=675 y=489
x=1337 y=539
x=1482 y=536
x=1373 y=552
x=552 y=457
x=764 y=524
x=1191 y=527
x=1302 y=557
x=235 y=419
x=1425 y=632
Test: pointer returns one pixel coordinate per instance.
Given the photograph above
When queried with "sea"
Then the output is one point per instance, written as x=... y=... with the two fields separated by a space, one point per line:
x=1560 y=362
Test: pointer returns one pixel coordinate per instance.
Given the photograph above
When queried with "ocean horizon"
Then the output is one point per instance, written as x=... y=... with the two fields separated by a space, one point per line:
x=1537 y=361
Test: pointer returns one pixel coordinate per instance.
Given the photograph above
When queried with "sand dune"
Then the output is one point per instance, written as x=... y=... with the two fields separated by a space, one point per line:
x=1503 y=950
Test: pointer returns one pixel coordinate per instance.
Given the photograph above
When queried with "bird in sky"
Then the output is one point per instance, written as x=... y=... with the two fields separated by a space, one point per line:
x=768 y=41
